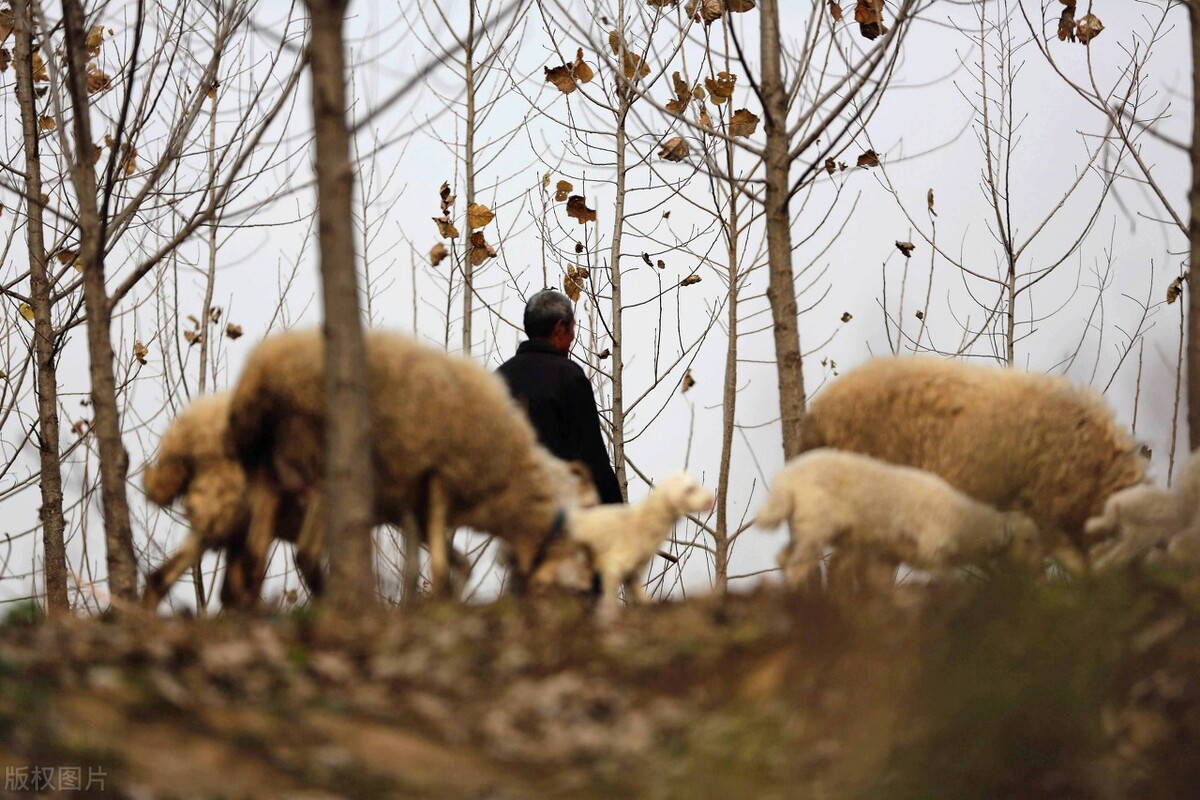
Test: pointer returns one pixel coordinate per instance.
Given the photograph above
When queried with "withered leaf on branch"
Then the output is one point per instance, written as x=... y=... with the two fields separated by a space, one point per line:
x=743 y=123
x=193 y=337
x=481 y=251
x=929 y=199
x=1088 y=28
x=660 y=263
x=690 y=279
x=561 y=190
x=26 y=311
x=47 y=123
x=869 y=16
x=674 y=149
x=739 y=6
x=906 y=248
x=1175 y=289
x=1066 y=22
x=140 y=351
x=706 y=11
x=683 y=95
x=40 y=75
x=688 y=381
x=577 y=209
x=5 y=59
x=646 y=258
x=847 y=316
x=446 y=198
x=95 y=38
x=7 y=21
x=129 y=159
x=869 y=159
x=579 y=247
x=446 y=228
x=662 y=3
x=704 y=118
x=97 y=79
x=603 y=354
x=214 y=316
x=233 y=331
x=479 y=215
x=437 y=254
x=635 y=68
x=920 y=315
x=568 y=77
x=830 y=166
x=575 y=281
x=721 y=89
x=835 y=11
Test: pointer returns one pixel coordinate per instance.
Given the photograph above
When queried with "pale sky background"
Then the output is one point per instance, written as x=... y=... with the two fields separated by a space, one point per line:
x=924 y=134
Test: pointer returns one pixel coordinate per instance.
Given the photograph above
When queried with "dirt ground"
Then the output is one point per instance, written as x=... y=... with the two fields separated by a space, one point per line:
x=1085 y=689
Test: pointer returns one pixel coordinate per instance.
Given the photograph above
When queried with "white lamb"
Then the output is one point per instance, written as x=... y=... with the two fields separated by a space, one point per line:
x=1145 y=518
x=893 y=514
x=623 y=539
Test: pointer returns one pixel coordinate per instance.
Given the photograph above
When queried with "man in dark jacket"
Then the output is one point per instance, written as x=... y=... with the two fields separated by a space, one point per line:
x=555 y=392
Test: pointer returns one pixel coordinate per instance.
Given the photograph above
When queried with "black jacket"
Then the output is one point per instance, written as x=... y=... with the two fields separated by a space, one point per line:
x=556 y=394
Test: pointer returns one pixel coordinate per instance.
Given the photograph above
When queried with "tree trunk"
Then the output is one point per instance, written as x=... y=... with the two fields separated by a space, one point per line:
x=106 y=421
x=44 y=340
x=614 y=258
x=1193 y=297
x=468 y=269
x=348 y=477
x=729 y=389
x=781 y=288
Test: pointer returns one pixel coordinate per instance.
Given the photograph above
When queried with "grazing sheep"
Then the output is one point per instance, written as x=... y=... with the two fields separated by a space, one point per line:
x=1144 y=518
x=889 y=513
x=622 y=539
x=194 y=462
x=440 y=423
x=1025 y=442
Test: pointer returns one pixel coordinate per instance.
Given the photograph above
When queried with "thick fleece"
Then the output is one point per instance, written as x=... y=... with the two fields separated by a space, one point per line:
x=435 y=418
x=1014 y=440
x=892 y=514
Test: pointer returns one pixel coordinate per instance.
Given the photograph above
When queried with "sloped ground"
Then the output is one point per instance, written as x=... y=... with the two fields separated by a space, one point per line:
x=1082 y=690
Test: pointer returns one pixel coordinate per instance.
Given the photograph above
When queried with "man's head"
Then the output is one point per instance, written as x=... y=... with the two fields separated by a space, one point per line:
x=549 y=315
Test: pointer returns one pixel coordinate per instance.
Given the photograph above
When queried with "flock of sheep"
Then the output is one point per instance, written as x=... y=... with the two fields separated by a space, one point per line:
x=931 y=463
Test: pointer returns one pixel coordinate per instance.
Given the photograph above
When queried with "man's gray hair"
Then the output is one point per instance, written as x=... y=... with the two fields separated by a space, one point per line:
x=546 y=309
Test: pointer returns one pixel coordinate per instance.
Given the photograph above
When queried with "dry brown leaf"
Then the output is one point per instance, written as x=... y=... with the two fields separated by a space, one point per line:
x=129 y=162
x=568 y=77
x=743 y=123
x=97 y=79
x=674 y=149
x=7 y=22
x=830 y=166
x=211 y=94
x=660 y=263
x=869 y=16
x=446 y=228
x=662 y=3
x=193 y=337
x=1066 y=22
x=920 y=315
x=447 y=199
x=706 y=11
x=214 y=315
x=233 y=331
x=704 y=118
x=721 y=89
x=579 y=247
x=1088 y=28
x=603 y=354
x=561 y=190
x=929 y=199
x=577 y=209
x=546 y=179
x=690 y=280
x=479 y=215
x=683 y=95
x=646 y=258
x=869 y=159
x=140 y=351
x=1175 y=289
x=81 y=428
x=480 y=251
x=847 y=316
x=739 y=6
x=26 y=311
x=614 y=42
x=437 y=254
x=95 y=38
x=47 y=123
x=5 y=59
x=906 y=248
x=575 y=281
x=835 y=11
x=40 y=75
x=635 y=68
x=688 y=381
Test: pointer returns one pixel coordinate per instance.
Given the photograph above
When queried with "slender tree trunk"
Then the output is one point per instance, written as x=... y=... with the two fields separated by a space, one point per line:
x=468 y=269
x=614 y=258
x=1193 y=326
x=781 y=285
x=44 y=340
x=729 y=390
x=106 y=421
x=348 y=477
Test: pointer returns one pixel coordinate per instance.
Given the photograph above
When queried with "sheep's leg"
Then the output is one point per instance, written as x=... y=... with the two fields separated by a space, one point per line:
x=435 y=535
x=310 y=546
x=875 y=573
x=264 y=509
x=635 y=590
x=610 y=603
x=460 y=571
x=161 y=580
x=412 y=558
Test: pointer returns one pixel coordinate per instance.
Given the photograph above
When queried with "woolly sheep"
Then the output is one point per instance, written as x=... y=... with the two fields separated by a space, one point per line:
x=194 y=462
x=891 y=513
x=1144 y=518
x=438 y=420
x=1026 y=442
x=622 y=539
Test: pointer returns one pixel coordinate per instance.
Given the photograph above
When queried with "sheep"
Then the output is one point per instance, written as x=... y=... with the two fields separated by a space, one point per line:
x=447 y=438
x=888 y=512
x=621 y=539
x=1144 y=518
x=1016 y=441
x=194 y=462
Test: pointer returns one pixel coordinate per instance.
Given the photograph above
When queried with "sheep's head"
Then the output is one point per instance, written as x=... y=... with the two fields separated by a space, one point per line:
x=1141 y=509
x=685 y=494
x=166 y=479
